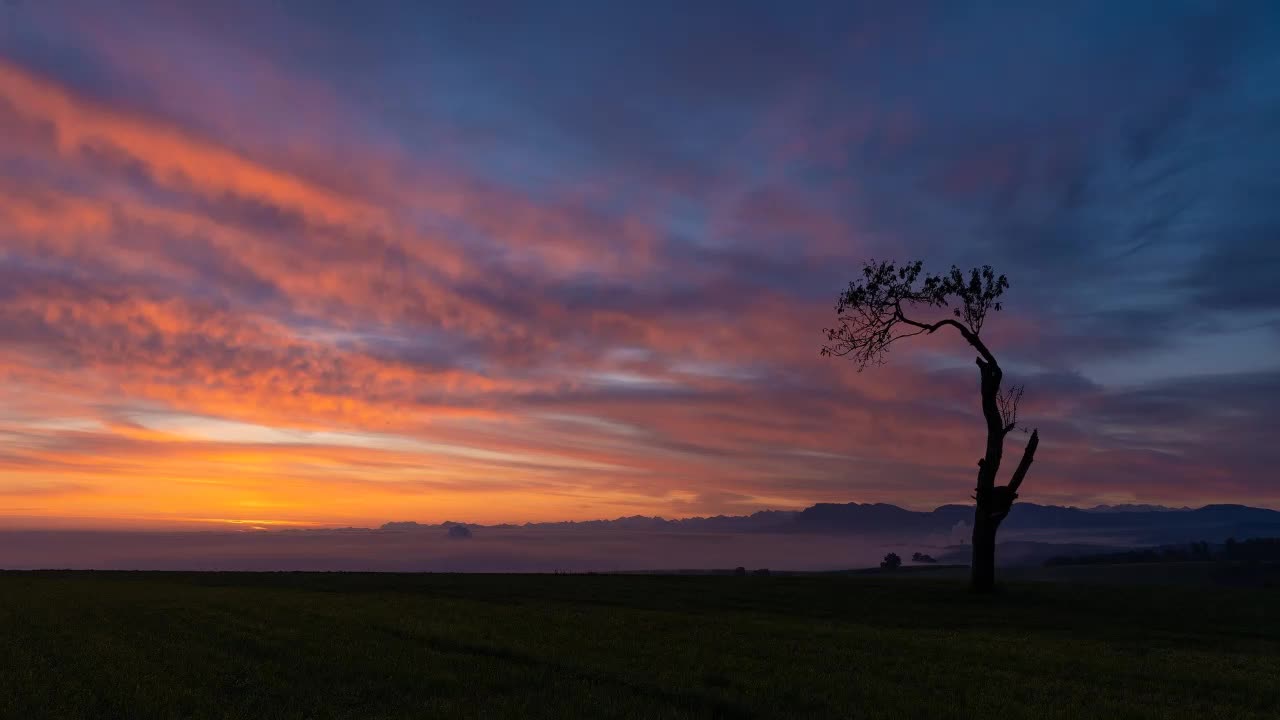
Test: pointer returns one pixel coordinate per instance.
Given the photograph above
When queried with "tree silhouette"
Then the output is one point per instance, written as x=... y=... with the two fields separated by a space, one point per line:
x=891 y=562
x=873 y=314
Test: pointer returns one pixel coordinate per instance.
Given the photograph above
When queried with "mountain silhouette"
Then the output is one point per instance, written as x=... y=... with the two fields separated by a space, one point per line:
x=1154 y=523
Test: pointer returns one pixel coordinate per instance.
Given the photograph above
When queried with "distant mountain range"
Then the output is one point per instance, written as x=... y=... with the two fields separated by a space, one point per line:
x=761 y=521
x=1135 y=508
x=1150 y=523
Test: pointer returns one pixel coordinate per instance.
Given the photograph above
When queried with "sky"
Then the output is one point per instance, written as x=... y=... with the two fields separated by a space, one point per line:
x=316 y=263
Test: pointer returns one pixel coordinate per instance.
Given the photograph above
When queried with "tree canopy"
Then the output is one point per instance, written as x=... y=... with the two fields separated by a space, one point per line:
x=875 y=311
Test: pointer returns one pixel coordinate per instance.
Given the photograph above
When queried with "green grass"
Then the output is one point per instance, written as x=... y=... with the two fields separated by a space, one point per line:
x=193 y=645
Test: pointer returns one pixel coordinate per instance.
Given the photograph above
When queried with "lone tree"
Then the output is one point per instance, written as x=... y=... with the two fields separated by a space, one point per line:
x=883 y=307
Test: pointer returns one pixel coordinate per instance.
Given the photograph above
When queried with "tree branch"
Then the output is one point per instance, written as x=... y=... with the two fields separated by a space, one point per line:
x=1007 y=403
x=965 y=332
x=1024 y=465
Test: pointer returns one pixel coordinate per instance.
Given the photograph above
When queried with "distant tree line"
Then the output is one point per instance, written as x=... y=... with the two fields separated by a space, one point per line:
x=1251 y=550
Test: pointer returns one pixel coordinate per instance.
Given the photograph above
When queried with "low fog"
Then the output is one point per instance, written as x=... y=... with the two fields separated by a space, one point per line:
x=538 y=550
x=487 y=550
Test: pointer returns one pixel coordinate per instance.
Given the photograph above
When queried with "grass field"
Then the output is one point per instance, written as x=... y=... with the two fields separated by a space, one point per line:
x=178 y=645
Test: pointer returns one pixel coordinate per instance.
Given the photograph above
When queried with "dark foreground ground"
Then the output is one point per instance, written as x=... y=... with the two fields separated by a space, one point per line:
x=179 y=645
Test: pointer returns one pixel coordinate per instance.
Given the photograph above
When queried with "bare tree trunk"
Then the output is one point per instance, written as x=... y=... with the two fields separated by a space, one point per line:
x=985 y=521
x=993 y=505
x=982 y=577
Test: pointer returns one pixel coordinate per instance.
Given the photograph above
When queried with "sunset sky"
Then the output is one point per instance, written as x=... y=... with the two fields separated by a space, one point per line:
x=336 y=263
